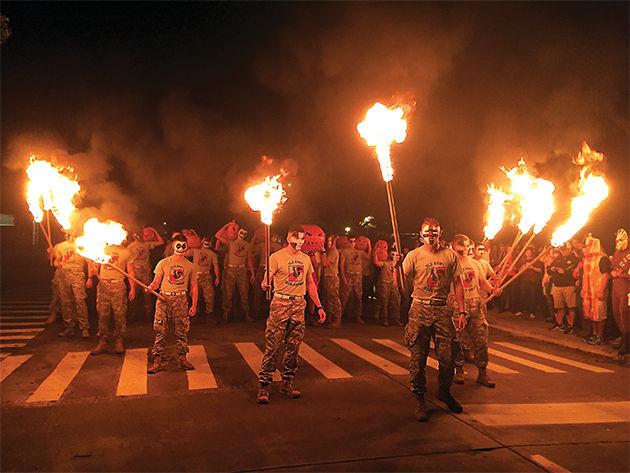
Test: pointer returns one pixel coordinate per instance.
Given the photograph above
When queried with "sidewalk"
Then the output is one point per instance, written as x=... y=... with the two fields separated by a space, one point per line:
x=538 y=329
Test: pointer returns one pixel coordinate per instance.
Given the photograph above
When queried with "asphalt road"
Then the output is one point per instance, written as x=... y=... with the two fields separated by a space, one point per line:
x=553 y=409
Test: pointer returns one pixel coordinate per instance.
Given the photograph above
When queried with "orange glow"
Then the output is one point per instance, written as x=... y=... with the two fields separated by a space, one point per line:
x=266 y=197
x=97 y=236
x=495 y=215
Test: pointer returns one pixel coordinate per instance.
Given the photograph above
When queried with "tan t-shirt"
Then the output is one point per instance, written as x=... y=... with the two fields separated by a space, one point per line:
x=386 y=276
x=351 y=259
x=290 y=272
x=204 y=260
x=432 y=273
x=70 y=260
x=141 y=253
x=120 y=256
x=486 y=270
x=177 y=274
x=470 y=273
x=366 y=264
x=333 y=263
x=237 y=252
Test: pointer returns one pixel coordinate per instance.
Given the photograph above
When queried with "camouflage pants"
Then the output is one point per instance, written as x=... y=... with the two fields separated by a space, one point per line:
x=285 y=330
x=353 y=288
x=387 y=302
x=235 y=277
x=55 y=289
x=172 y=311
x=206 y=284
x=426 y=321
x=331 y=301
x=73 y=306
x=474 y=338
x=111 y=299
x=257 y=292
x=144 y=274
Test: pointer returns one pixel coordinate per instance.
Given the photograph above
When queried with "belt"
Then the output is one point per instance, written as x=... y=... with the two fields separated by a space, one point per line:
x=111 y=280
x=203 y=272
x=350 y=272
x=235 y=265
x=287 y=297
x=179 y=293
x=432 y=302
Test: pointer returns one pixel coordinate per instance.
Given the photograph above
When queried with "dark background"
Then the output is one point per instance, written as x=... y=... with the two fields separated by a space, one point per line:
x=165 y=109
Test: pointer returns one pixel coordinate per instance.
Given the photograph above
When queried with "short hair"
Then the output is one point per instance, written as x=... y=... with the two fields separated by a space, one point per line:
x=295 y=229
x=430 y=221
x=180 y=237
x=460 y=238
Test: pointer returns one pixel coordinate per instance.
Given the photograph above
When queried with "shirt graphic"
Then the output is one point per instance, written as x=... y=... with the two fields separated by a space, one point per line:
x=67 y=256
x=468 y=278
x=240 y=250
x=296 y=273
x=437 y=276
x=176 y=275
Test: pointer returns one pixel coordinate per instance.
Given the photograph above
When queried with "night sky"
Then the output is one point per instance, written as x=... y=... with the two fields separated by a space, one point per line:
x=165 y=109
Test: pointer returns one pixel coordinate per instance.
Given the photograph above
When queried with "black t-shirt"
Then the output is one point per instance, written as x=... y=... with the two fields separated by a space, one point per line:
x=568 y=264
x=605 y=266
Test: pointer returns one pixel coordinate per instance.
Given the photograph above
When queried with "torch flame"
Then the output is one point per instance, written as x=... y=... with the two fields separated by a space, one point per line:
x=495 y=215
x=381 y=127
x=49 y=189
x=265 y=197
x=97 y=236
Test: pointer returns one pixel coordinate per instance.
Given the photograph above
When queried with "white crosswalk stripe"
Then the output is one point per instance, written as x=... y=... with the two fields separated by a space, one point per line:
x=133 y=376
x=21 y=324
x=372 y=358
x=11 y=363
x=524 y=361
x=201 y=377
x=24 y=318
x=12 y=345
x=21 y=330
x=56 y=383
x=17 y=337
x=253 y=357
x=322 y=364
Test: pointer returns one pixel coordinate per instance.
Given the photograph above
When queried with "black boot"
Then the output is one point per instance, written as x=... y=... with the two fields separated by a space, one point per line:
x=446 y=397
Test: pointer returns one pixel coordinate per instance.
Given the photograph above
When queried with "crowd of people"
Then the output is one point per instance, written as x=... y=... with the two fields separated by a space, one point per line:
x=438 y=290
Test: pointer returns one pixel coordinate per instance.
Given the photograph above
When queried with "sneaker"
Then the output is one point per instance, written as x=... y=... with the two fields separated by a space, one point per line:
x=532 y=316
x=447 y=398
x=185 y=364
x=66 y=333
x=420 y=413
x=556 y=328
x=519 y=313
x=287 y=389
x=360 y=321
x=263 y=395
x=595 y=340
x=155 y=366
x=569 y=330
x=587 y=339
x=385 y=323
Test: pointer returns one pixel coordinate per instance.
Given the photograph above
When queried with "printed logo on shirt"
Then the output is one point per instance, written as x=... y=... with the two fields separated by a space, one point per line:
x=141 y=252
x=176 y=275
x=356 y=258
x=114 y=257
x=296 y=273
x=437 y=276
x=68 y=254
x=203 y=259
x=468 y=278
x=240 y=249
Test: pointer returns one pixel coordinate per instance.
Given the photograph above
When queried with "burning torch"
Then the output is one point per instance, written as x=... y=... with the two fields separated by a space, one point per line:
x=266 y=197
x=380 y=128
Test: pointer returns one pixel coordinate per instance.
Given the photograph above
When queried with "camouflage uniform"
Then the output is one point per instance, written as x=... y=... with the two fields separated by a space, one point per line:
x=144 y=274
x=426 y=321
x=206 y=284
x=387 y=302
x=257 y=292
x=285 y=326
x=331 y=301
x=235 y=276
x=55 y=299
x=74 y=308
x=174 y=310
x=111 y=299
x=474 y=338
x=354 y=287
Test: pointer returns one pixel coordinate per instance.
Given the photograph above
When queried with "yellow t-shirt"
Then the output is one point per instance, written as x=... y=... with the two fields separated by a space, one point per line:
x=333 y=263
x=290 y=272
x=237 y=253
x=70 y=260
x=177 y=274
x=141 y=253
x=351 y=260
x=204 y=260
x=120 y=256
x=432 y=273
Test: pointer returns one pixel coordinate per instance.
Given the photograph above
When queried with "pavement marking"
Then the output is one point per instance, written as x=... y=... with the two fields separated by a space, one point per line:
x=21 y=324
x=3 y=355
x=322 y=364
x=56 y=383
x=559 y=359
x=12 y=363
x=201 y=377
x=25 y=311
x=17 y=337
x=547 y=464
x=13 y=318
x=12 y=345
x=370 y=357
x=432 y=362
x=253 y=357
x=523 y=361
x=21 y=330
x=549 y=413
x=133 y=376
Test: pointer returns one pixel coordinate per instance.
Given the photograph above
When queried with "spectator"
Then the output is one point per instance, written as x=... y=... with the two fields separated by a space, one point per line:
x=563 y=282
x=595 y=277
x=531 y=285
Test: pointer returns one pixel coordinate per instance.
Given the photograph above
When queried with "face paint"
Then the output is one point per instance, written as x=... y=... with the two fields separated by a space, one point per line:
x=180 y=247
x=242 y=234
x=430 y=235
x=461 y=248
x=621 y=240
x=206 y=243
x=471 y=250
x=296 y=242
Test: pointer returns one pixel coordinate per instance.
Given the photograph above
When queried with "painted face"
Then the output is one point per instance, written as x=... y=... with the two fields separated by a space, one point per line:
x=242 y=234
x=480 y=251
x=330 y=242
x=206 y=243
x=461 y=247
x=296 y=241
x=471 y=249
x=393 y=254
x=430 y=235
x=621 y=240
x=180 y=247
x=352 y=241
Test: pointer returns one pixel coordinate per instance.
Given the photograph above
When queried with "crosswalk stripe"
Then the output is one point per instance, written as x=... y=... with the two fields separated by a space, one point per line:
x=12 y=363
x=133 y=376
x=17 y=337
x=12 y=318
x=30 y=301
x=3 y=355
x=56 y=383
x=523 y=361
x=370 y=357
x=201 y=377
x=23 y=311
x=432 y=362
x=21 y=330
x=21 y=324
x=253 y=357
x=547 y=464
x=559 y=359
x=322 y=364
x=549 y=413
x=12 y=345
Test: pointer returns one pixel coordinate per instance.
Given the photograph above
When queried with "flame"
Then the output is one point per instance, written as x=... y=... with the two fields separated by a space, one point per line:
x=534 y=197
x=587 y=156
x=97 y=236
x=495 y=215
x=381 y=127
x=266 y=197
x=49 y=189
x=593 y=190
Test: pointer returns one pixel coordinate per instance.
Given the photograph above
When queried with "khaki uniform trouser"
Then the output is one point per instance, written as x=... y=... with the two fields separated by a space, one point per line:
x=235 y=278
x=353 y=289
x=172 y=311
x=73 y=305
x=206 y=286
x=111 y=302
x=331 y=300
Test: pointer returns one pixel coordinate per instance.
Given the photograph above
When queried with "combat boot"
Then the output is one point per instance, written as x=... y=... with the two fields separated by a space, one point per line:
x=100 y=347
x=263 y=395
x=421 y=413
x=119 y=348
x=287 y=389
x=51 y=319
x=185 y=364
x=484 y=379
x=155 y=366
x=459 y=375
x=67 y=332
x=447 y=398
